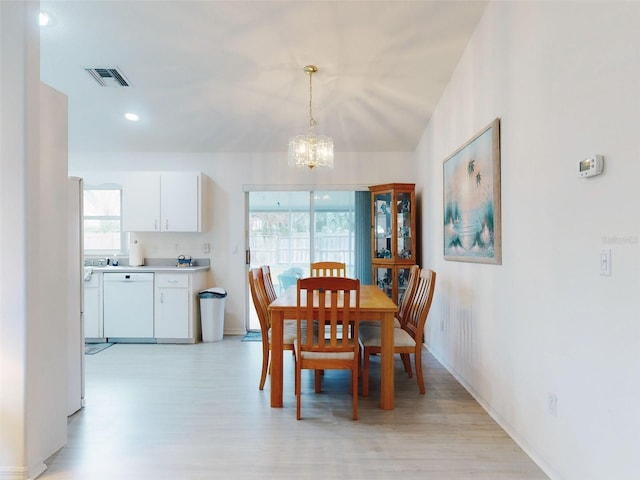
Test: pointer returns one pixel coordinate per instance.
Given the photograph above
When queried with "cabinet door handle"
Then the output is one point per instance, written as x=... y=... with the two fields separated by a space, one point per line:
x=161 y=297
x=172 y=281
x=155 y=224
x=166 y=224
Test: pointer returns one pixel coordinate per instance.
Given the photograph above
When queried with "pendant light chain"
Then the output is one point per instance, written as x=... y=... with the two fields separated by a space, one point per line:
x=312 y=121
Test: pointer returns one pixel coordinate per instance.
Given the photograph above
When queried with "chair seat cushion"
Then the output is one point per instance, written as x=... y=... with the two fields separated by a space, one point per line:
x=372 y=337
x=327 y=356
x=324 y=355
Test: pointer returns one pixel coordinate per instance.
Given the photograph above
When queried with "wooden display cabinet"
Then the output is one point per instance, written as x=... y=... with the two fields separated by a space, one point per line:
x=393 y=239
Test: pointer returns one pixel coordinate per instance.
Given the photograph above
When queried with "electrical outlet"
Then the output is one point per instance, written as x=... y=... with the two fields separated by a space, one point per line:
x=177 y=248
x=206 y=248
x=552 y=404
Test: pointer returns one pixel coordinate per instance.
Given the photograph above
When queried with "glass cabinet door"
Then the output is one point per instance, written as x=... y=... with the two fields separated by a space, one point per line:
x=403 y=279
x=384 y=279
x=392 y=280
x=405 y=227
x=382 y=227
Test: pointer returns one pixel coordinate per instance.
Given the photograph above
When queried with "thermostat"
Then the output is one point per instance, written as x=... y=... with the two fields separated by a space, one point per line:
x=591 y=166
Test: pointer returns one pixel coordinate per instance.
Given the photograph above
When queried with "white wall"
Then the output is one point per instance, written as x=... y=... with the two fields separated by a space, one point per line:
x=14 y=46
x=225 y=201
x=48 y=330
x=564 y=78
x=33 y=301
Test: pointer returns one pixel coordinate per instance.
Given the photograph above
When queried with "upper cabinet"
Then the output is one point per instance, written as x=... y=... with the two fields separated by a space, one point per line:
x=162 y=202
x=181 y=202
x=394 y=218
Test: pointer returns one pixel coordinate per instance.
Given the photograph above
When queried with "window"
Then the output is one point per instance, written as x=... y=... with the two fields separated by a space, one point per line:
x=103 y=220
x=290 y=229
x=333 y=235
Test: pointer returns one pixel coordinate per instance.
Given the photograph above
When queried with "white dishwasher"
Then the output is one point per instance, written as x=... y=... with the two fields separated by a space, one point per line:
x=128 y=305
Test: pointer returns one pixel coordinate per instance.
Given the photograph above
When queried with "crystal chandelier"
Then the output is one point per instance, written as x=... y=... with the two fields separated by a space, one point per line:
x=311 y=150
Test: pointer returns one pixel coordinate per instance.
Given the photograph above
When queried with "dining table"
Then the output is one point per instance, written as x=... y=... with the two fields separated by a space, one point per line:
x=375 y=305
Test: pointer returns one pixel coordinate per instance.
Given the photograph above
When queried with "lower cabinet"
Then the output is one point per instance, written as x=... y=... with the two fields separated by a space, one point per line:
x=177 y=312
x=173 y=308
x=93 y=308
x=392 y=279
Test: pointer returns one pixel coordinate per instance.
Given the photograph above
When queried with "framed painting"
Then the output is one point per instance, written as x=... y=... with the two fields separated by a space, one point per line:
x=471 y=176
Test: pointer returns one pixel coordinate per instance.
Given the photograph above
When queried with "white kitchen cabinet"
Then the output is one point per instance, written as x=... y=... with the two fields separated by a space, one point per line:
x=177 y=312
x=93 y=308
x=171 y=306
x=181 y=202
x=141 y=202
x=162 y=202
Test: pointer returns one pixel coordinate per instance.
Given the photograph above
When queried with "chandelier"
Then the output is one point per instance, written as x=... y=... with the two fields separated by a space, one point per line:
x=311 y=150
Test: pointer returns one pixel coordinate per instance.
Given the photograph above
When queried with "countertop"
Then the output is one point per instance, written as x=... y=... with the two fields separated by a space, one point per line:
x=150 y=269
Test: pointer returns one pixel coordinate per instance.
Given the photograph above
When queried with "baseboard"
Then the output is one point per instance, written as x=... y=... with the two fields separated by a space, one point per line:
x=13 y=473
x=21 y=473
x=235 y=331
x=505 y=425
x=179 y=341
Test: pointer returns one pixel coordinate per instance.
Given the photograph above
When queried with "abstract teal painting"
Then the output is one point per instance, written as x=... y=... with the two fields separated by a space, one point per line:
x=472 y=230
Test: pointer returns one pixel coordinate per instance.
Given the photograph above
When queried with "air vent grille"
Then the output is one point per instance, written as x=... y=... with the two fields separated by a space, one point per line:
x=108 y=77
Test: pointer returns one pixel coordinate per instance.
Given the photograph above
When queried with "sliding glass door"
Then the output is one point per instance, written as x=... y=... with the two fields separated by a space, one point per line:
x=289 y=230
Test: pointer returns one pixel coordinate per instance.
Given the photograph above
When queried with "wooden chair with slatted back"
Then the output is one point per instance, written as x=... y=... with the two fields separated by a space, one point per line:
x=261 y=303
x=332 y=345
x=328 y=269
x=407 y=296
x=268 y=283
x=409 y=338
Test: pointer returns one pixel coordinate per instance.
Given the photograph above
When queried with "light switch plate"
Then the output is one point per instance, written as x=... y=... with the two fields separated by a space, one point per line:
x=605 y=262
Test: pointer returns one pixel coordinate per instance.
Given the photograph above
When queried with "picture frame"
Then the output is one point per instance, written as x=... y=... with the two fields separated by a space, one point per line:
x=471 y=200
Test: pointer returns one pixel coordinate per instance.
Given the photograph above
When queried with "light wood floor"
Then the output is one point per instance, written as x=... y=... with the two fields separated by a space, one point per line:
x=175 y=412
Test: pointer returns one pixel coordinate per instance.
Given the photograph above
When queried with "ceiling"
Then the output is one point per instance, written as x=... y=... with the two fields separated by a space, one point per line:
x=227 y=76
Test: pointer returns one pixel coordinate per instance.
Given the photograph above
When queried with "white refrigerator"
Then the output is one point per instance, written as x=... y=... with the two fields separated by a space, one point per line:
x=75 y=350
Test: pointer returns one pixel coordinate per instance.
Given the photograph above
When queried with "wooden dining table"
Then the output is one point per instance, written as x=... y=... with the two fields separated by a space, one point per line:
x=374 y=305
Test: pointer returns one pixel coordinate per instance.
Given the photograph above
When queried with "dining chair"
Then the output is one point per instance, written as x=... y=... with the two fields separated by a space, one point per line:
x=289 y=277
x=261 y=303
x=407 y=339
x=268 y=283
x=332 y=345
x=328 y=269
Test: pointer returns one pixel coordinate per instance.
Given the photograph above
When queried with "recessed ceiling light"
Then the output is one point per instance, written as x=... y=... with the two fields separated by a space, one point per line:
x=44 y=19
x=132 y=117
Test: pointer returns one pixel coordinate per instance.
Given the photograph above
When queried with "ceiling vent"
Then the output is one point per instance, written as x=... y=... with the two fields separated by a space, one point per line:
x=108 y=77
